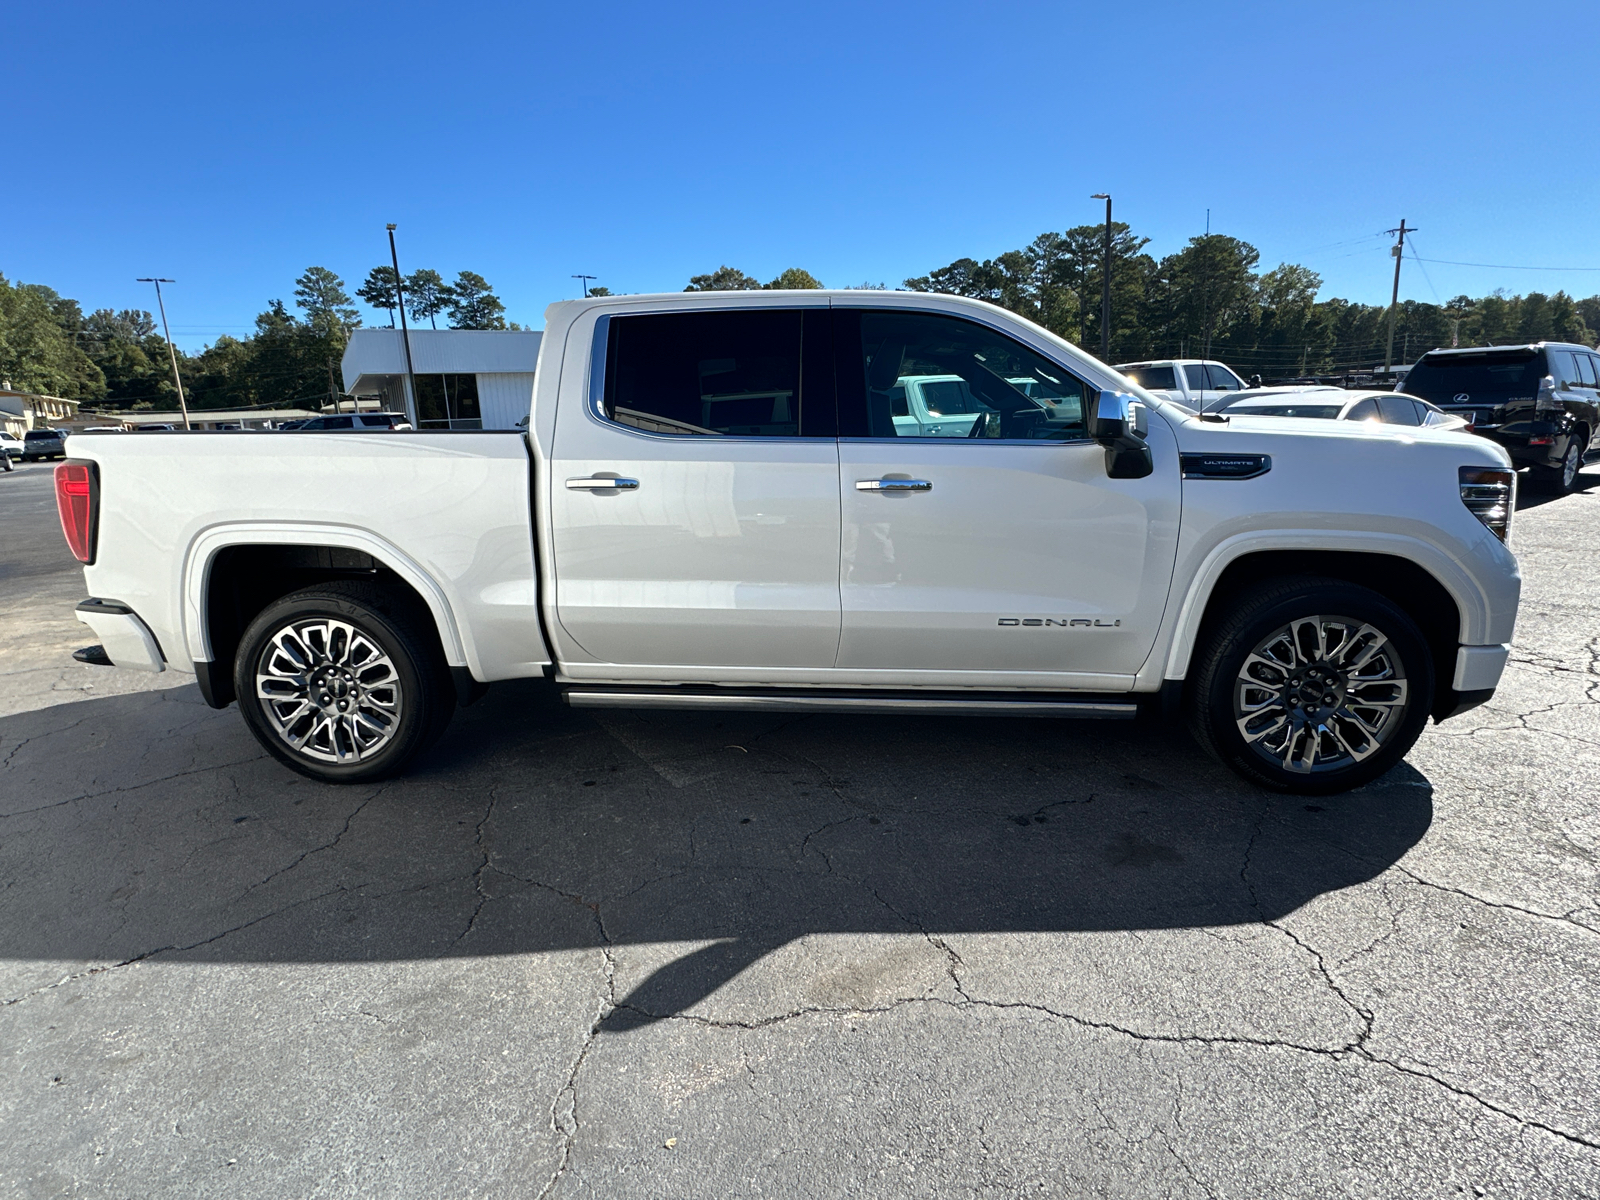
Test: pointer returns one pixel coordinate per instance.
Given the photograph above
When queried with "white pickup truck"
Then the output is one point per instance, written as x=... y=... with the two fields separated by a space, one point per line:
x=717 y=505
x=1194 y=383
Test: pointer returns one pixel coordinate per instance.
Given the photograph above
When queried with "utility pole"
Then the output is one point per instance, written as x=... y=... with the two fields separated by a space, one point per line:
x=1394 y=298
x=405 y=333
x=1105 y=288
x=171 y=353
x=586 y=279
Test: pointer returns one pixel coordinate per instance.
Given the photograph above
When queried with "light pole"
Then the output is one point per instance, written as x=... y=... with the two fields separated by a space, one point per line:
x=1105 y=290
x=171 y=353
x=405 y=333
x=586 y=279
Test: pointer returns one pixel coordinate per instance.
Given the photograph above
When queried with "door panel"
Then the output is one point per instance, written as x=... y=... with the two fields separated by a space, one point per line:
x=1018 y=558
x=726 y=553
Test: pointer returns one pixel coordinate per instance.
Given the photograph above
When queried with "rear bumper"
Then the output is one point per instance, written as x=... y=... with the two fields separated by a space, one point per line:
x=127 y=640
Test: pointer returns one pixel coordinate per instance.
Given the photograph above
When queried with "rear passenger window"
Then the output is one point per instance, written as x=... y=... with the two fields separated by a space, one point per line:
x=1153 y=377
x=1586 y=370
x=1367 y=410
x=1565 y=364
x=710 y=374
x=1398 y=410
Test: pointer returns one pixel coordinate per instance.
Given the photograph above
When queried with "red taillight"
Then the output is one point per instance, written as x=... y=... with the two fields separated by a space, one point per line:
x=77 y=496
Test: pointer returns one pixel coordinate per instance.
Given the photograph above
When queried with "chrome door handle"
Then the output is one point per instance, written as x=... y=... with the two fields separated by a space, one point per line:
x=893 y=485
x=599 y=485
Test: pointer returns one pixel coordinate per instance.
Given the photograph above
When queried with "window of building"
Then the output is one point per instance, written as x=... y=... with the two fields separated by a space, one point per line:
x=448 y=402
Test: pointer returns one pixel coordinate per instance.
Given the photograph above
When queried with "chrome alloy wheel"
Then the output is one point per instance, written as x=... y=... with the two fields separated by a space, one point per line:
x=1319 y=694
x=329 y=690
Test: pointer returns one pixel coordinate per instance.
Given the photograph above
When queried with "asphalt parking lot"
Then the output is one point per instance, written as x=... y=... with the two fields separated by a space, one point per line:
x=674 y=955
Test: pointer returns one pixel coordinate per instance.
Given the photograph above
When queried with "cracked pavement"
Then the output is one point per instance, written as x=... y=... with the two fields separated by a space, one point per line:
x=656 y=954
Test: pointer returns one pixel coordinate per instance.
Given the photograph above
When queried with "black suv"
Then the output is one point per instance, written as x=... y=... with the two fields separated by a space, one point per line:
x=1541 y=402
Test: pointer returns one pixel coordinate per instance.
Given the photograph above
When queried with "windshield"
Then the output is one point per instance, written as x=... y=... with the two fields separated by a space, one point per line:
x=1325 y=412
x=1492 y=377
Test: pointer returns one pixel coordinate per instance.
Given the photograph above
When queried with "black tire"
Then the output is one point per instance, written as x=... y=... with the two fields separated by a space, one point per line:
x=1567 y=477
x=386 y=666
x=1373 y=719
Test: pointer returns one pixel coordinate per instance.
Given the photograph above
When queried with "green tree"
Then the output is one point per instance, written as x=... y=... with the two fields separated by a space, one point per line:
x=427 y=295
x=599 y=291
x=723 y=279
x=379 y=290
x=793 y=279
x=321 y=293
x=473 y=304
x=40 y=347
x=1208 y=285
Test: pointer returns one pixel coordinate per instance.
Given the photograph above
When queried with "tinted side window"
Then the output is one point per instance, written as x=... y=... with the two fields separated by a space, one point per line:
x=1564 y=366
x=1223 y=380
x=1586 y=370
x=1367 y=410
x=1397 y=410
x=1153 y=377
x=972 y=381
x=1195 y=373
x=706 y=373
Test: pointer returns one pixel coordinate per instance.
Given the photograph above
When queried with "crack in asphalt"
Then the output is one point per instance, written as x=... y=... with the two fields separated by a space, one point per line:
x=1350 y=1051
x=477 y=874
x=133 y=787
x=317 y=849
x=1562 y=918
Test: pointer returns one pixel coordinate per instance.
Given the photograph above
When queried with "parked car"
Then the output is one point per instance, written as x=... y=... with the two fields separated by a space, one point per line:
x=10 y=447
x=156 y=428
x=1336 y=404
x=38 y=444
x=1307 y=599
x=1191 y=382
x=1540 y=401
x=354 y=421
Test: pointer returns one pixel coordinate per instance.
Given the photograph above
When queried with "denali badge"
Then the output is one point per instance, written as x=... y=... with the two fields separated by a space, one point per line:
x=1063 y=622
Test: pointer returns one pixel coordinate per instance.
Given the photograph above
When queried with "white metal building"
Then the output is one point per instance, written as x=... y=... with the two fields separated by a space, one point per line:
x=466 y=378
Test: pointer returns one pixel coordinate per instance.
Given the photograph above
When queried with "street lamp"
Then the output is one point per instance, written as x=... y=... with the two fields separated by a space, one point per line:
x=171 y=353
x=1105 y=290
x=586 y=279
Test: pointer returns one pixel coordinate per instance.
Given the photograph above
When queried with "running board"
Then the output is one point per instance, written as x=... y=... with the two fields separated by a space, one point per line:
x=835 y=702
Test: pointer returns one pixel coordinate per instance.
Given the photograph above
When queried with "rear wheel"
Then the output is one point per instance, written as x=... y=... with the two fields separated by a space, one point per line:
x=343 y=682
x=1312 y=686
x=1564 y=478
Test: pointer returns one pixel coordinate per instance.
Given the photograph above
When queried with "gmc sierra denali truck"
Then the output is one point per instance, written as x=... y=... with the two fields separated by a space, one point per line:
x=714 y=506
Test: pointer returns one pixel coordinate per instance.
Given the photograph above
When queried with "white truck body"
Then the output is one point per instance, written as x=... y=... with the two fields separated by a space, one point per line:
x=785 y=567
x=1192 y=383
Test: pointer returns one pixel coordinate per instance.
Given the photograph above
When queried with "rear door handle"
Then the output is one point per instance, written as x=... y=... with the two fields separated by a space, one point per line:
x=893 y=485
x=603 y=485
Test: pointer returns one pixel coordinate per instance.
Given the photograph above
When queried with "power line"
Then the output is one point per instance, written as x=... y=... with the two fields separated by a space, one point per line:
x=1498 y=266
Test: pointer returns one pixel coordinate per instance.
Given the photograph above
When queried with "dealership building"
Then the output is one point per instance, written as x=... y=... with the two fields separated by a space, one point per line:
x=465 y=378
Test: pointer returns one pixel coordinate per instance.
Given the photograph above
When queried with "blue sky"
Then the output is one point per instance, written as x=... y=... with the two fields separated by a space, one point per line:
x=229 y=146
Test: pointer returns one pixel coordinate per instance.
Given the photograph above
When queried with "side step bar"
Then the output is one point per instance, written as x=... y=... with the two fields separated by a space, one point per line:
x=945 y=704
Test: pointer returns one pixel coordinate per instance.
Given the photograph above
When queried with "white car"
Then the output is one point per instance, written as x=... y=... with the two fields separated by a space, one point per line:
x=1194 y=383
x=10 y=447
x=1336 y=404
x=714 y=507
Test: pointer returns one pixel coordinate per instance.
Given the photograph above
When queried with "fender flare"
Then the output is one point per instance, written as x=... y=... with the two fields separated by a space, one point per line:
x=1470 y=601
x=203 y=551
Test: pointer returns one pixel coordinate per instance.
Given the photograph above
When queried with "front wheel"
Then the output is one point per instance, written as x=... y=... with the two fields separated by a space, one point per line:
x=1312 y=686
x=343 y=682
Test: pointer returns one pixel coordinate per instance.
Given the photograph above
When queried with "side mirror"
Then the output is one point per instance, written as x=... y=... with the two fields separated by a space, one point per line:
x=1118 y=416
x=1121 y=423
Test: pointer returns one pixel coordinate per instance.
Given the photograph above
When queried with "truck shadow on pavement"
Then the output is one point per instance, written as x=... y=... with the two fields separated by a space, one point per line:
x=148 y=827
